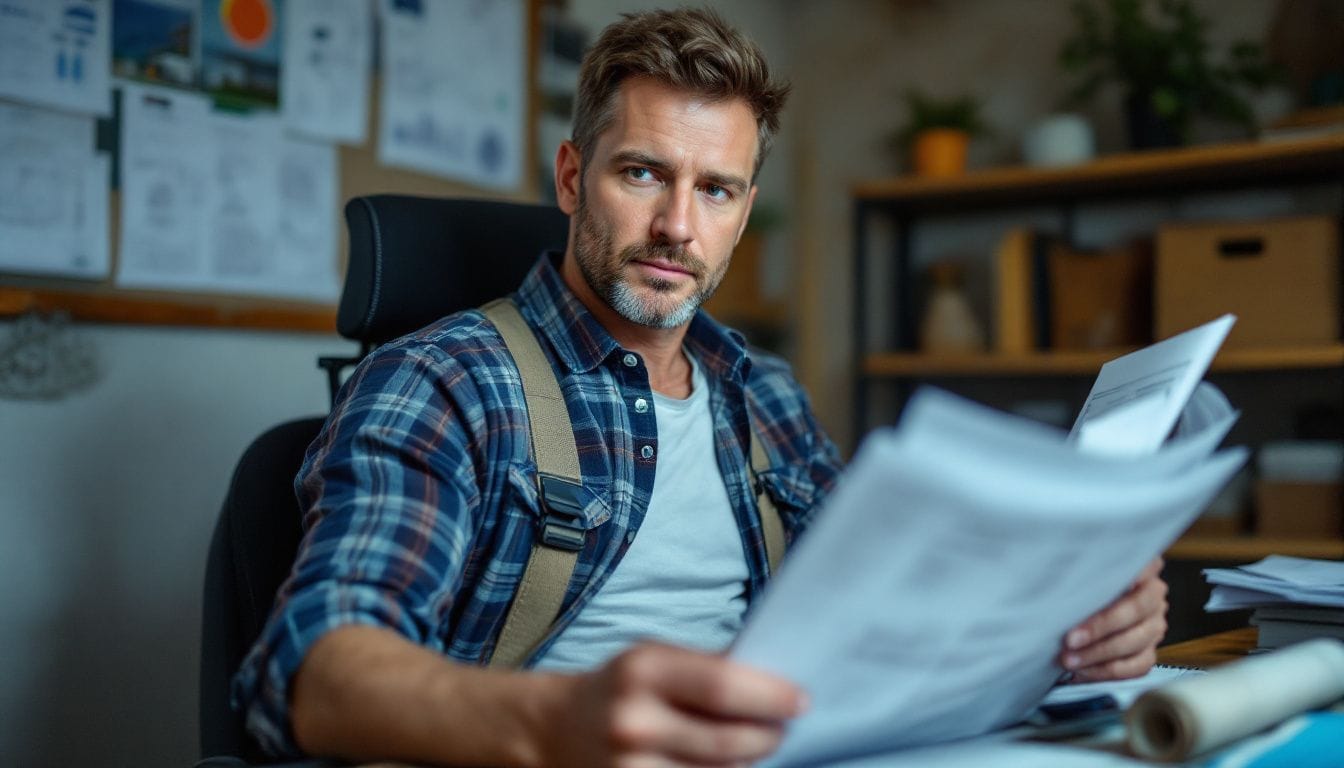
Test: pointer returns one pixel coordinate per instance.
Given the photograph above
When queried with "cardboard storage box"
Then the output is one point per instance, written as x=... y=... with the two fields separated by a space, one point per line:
x=1280 y=277
x=1300 y=493
x=1101 y=299
x=1299 y=510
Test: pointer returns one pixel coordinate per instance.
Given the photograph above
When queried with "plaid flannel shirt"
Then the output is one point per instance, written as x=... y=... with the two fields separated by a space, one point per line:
x=420 y=501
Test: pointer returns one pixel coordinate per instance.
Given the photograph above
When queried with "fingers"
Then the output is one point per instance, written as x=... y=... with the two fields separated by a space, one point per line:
x=1150 y=571
x=1146 y=598
x=1121 y=640
x=696 y=708
x=652 y=728
x=1128 y=653
x=714 y=686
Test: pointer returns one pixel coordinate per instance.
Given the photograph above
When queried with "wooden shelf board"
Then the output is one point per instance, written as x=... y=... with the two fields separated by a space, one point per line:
x=917 y=364
x=1253 y=548
x=172 y=309
x=1250 y=548
x=1150 y=172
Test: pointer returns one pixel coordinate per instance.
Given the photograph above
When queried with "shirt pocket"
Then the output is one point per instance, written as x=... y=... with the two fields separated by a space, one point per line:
x=793 y=493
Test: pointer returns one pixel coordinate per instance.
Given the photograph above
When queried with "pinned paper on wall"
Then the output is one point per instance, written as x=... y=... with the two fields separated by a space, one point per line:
x=240 y=52
x=454 y=90
x=57 y=54
x=153 y=41
x=53 y=194
x=328 y=47
x=223 y=202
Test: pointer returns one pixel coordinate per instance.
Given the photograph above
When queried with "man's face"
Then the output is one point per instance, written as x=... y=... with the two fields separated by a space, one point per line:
x=662 y=201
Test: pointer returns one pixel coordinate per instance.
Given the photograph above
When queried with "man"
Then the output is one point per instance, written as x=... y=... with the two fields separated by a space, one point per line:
x=421 y=500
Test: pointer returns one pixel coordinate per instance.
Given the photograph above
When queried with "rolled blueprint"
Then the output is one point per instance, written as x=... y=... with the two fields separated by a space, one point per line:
x=1201 y=712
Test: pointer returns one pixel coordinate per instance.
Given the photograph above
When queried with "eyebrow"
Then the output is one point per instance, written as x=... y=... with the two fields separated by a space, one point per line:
x=728 y=181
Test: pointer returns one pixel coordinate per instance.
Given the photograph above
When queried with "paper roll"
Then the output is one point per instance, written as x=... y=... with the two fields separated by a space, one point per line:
x=1201 y=712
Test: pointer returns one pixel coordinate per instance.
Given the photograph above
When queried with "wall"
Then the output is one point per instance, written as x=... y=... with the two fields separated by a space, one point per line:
x=109 y=498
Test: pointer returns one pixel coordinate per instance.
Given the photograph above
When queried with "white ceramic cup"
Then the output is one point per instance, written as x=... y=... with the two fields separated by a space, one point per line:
x=1057 y=140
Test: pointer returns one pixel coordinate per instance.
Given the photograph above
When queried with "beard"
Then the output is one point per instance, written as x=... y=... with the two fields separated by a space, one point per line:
x=602 y=267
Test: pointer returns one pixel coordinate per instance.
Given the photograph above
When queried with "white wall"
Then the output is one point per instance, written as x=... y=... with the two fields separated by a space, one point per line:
x=107 y=502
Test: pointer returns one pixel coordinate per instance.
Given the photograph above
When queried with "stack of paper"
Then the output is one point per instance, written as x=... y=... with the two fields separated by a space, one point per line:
x=1295 y=599
x=929 y=600
x=1277 y=581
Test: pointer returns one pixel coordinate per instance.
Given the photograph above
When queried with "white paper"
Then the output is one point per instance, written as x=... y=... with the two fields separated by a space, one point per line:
x=454 y=92
x=1277 y=580
x=166 y=162
x=224 y=202
x=1124 y=691
x=53 y=194
x=1169 y=369
x=929 y=600
x=306 y=265
x=242 y=202
x=57 y=54
x=1300 y=571
x=992 y=753
x=328 y=50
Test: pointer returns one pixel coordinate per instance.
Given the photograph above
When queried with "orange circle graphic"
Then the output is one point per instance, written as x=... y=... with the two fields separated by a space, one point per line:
x=249 y=23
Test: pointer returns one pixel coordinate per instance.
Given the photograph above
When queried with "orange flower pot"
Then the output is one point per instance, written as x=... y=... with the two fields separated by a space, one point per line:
x=940 y=152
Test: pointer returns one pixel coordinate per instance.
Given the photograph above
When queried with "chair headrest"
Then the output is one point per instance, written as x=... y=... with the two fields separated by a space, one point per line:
x=415 y=259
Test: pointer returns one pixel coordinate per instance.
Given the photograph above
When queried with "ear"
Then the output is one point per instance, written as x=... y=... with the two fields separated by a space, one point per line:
x=751 y=198
x=568 y=176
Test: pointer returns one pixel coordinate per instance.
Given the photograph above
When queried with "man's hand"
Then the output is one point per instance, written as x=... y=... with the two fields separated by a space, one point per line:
x=658 y=705
x=1121 y=640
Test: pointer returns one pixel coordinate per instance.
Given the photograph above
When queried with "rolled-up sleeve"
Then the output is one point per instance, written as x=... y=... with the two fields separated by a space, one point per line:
x=390 y=494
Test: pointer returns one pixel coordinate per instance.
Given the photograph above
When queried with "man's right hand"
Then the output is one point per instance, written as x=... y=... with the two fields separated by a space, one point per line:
x=366 y=694
x=659 y=705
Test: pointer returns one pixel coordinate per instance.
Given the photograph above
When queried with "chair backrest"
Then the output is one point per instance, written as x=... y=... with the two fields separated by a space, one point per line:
x=416 y=259
x=412 y=260
x=251 y=551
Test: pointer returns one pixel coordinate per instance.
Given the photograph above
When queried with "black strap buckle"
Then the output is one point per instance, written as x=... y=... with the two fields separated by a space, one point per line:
x=563 y=502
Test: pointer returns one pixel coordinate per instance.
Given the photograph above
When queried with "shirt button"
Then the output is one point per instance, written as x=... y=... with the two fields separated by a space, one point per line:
x=646 y=451
x=641 y=405
x=630 y=360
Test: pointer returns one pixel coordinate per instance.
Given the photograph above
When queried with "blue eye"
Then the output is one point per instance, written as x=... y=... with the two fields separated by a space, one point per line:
x=639 y=174
x=716 y=192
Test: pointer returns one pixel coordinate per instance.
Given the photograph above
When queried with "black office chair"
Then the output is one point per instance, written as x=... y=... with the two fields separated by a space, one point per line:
x=412 y=261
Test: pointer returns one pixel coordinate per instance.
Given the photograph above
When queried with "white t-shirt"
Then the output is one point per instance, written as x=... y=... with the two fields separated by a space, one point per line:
x=683 y=580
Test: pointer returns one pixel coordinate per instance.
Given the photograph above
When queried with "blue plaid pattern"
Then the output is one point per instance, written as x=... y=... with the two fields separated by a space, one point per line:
x=420 y=495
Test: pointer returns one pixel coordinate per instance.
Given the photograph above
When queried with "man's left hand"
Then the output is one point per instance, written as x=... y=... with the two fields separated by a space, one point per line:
x=1121 y=640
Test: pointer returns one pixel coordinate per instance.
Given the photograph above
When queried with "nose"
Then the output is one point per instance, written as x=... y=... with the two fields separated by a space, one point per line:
x=672 y=223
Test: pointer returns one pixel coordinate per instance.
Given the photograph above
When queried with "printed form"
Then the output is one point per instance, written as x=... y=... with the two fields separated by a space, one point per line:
x=929 y=600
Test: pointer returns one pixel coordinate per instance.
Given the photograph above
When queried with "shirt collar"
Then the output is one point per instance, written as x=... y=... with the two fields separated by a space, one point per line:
x=582 y=343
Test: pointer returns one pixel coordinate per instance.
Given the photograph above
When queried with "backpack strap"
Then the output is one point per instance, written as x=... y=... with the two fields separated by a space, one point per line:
x=772 y=527
x=551 y=564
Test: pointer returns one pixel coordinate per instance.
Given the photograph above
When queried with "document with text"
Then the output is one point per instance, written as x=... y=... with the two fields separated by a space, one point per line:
x=929 y=600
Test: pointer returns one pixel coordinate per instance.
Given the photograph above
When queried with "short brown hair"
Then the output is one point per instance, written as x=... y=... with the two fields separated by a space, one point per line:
x=689 y=48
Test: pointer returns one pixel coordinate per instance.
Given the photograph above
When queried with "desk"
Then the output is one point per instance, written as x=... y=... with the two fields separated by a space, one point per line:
x=1211 y=651
x=1204 y=652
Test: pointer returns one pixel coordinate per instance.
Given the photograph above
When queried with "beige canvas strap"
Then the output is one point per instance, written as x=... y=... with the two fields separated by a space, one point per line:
x=772 y=528
x=551 y=564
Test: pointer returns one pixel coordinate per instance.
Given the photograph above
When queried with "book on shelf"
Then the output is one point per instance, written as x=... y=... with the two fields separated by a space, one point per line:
x=1022 y=292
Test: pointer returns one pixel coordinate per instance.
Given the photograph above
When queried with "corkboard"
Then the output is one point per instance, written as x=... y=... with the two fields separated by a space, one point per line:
x=360 y=174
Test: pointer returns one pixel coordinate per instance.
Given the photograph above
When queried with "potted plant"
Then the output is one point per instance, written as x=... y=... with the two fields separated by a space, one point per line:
x=1160 y=54
x=937 y=132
